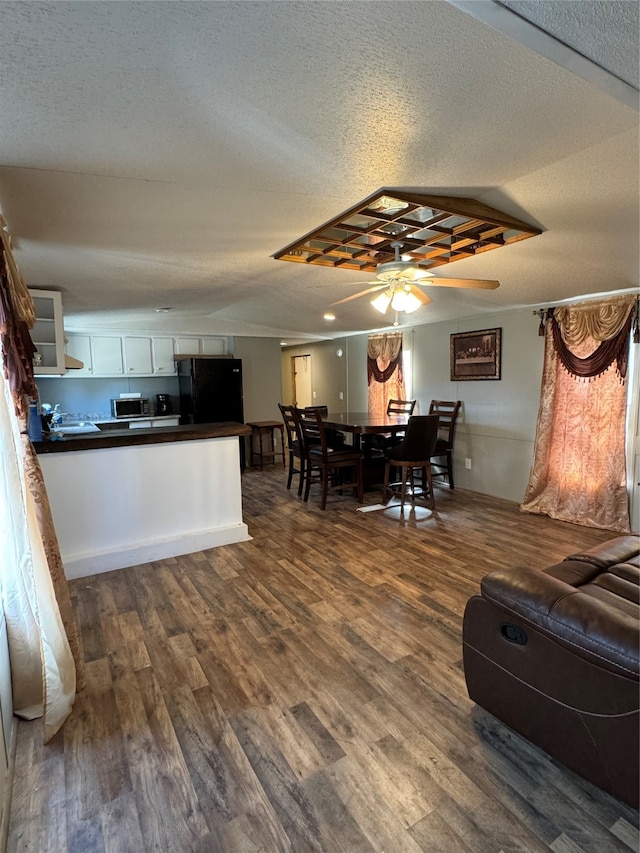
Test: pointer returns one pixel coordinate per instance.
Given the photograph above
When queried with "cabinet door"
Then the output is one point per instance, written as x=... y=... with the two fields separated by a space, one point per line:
x=137 y=356
x=213 y=346
x=162 y=353
x=79 y=346
x=165 y=422
x=107 y=356
x=140 y=424
x=47 y=333
x=187 y=346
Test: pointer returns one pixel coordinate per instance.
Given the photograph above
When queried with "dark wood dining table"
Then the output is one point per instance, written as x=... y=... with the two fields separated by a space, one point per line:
x=361 y=424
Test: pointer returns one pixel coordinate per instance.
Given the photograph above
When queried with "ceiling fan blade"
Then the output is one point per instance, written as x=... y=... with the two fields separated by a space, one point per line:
x=421 y=295
x=476 y=283
x=362 y=293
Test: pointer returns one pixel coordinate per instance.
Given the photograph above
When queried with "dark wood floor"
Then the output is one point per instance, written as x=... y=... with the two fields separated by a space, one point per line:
x=304 y=691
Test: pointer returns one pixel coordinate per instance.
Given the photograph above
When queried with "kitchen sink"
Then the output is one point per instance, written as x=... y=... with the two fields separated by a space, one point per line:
x=76 y=429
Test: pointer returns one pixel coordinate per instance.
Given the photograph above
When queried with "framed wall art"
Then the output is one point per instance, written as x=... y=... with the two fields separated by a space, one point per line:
x=476 y=355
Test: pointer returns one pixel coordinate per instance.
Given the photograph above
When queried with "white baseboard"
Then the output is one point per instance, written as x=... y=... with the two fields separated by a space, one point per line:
x=85 y=565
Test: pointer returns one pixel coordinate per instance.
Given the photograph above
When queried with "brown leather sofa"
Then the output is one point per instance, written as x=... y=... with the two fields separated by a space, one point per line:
x=554 y=654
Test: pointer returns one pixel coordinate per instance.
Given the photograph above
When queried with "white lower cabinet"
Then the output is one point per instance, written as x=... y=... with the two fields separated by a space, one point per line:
x=144 y=423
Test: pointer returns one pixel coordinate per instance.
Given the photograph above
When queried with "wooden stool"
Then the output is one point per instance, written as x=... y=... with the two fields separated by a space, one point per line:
x=268 y=428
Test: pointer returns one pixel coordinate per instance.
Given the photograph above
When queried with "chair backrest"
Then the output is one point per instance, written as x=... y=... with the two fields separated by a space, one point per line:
x=447 y=411
x=290 y=424
x=324 y=410
x=312 y=429
x=401 y=407
x=420 y=439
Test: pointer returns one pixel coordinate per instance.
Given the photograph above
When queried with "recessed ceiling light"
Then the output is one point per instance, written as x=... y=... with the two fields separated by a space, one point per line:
x=163 y=310
x=284 y=344
x=329 y=316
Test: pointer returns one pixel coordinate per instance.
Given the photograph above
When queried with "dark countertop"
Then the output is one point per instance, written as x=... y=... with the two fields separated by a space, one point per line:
x=132 y=437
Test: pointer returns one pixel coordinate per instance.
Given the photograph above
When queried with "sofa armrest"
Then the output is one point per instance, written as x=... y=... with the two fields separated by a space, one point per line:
x=592 y=628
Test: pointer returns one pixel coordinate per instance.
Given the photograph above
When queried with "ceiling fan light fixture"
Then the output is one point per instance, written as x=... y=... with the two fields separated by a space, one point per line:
x=382 y=301
x=412 y=303
x=399 y=301
x=401 y=270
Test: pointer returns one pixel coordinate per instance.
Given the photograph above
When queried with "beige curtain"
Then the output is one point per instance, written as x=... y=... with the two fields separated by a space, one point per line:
x=42 y=669
x=42 y=634
x=386 y=381
x=579 y=469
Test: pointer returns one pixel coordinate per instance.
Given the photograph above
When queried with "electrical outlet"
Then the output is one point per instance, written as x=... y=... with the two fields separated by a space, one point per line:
x=467 y=463
x=315 y=394
x=341 y=395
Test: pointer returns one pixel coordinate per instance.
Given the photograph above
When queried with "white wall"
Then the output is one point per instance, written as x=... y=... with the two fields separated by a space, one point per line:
x=497 y=423
x=328 y=373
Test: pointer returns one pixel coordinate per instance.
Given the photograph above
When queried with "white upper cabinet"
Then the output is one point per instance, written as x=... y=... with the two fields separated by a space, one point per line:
x=162 y=356
x=213 y=346
x=137 y=356
x=79 y=346
x=48 y=333
x=187 y=346
x=107 y=356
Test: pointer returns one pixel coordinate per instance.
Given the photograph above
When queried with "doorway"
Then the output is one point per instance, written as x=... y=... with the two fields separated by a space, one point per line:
x=301 y=380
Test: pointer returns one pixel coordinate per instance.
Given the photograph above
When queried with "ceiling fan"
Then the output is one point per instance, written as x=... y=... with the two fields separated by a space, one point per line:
x=401 y=282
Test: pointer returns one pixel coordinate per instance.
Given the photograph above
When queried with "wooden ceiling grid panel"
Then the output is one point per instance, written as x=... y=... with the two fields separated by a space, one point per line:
x=434 y=230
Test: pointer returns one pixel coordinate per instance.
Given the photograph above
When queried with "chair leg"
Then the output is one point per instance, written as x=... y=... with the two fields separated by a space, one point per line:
x=307 y=484
x=325 y=486
x=290 y=477
x=429 y=484
x=359 y=478
x=450 y=468
x=303 y=475
x=387 y=472
x=403 y=487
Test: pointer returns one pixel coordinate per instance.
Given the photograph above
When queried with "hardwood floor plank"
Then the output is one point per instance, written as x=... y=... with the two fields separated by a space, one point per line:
x=287 y=796
x=121 y=831
x=304 y=691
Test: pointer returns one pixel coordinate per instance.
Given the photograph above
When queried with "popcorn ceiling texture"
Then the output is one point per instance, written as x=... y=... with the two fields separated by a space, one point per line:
x=157 y=154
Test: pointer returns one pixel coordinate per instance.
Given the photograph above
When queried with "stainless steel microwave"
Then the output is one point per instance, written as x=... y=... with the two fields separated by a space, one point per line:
x=131 y=407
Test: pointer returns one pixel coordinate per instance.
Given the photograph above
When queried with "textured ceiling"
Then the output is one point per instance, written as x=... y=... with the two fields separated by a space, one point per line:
x=158 y=154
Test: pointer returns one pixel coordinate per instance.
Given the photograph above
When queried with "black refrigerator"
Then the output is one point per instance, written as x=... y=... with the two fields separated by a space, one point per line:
x=210 y=390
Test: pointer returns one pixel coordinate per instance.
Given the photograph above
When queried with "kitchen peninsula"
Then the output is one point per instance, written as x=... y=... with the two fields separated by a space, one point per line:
x=124 y=497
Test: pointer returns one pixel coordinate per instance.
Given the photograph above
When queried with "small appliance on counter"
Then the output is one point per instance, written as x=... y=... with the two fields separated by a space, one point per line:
x=131 y=407
x=163 y=404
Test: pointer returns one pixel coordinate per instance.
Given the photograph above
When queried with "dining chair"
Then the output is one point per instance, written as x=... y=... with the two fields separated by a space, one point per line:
x=324 y=464
x=401 y=407
x=387 y=439
x=294 y=445
x=447 y=411
x=413 y=453
x=335 y=438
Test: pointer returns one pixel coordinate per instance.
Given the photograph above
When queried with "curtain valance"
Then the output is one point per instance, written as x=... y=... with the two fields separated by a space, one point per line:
x=17 y=316
x=384 y=356
x=608 y=322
